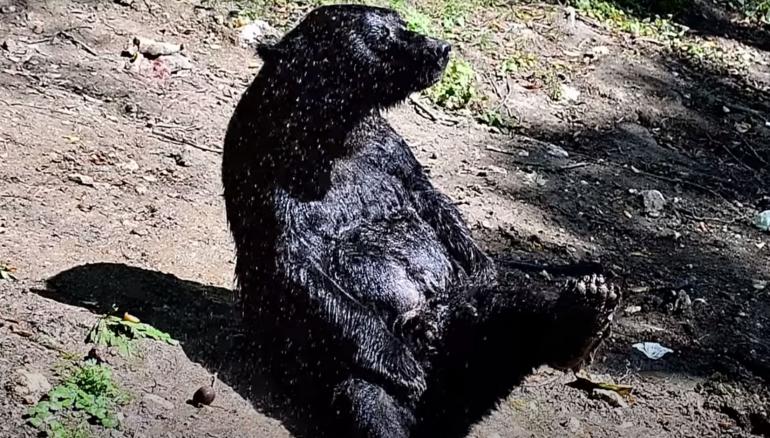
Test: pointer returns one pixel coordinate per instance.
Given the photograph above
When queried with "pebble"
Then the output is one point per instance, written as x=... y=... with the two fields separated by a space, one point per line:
x=610 y=397
x=653 y=201
x=556 y=151
x=82 y=179
x=30 y=386
x=152 y=400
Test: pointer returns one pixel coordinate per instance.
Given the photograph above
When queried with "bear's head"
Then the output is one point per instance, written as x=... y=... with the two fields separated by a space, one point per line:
x=359 y=54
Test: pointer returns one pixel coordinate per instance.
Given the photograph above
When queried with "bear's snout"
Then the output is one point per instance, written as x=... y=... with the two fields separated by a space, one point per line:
x=438 y=49
x=443 y=49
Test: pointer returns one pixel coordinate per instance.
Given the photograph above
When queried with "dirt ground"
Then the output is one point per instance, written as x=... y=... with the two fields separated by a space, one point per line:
x=110 y=195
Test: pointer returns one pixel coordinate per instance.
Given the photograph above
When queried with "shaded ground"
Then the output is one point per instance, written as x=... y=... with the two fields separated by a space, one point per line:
x=151 y=205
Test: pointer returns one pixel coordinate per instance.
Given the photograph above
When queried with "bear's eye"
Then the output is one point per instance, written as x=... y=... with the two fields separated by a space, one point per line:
x=383 y=35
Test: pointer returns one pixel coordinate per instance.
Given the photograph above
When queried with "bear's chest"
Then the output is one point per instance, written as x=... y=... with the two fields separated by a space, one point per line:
x=360 y=192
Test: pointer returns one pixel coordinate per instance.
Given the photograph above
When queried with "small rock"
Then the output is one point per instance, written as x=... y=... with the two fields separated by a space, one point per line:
x=177 y=62
x=9 y=45
x=600 y=51
x=610 y=397
x=140 y=189
x=139 y=232
x=569 y=93
x=154 y=401
x=182 y=159
x=573 y=425
x=82 y=179
x=152 y=48
x=8 y=9
x=653 y=201
x=758 y=284
x=257 y=32
x=149 y=178
x=30 y=386
x=129 y=165
x=556 y=151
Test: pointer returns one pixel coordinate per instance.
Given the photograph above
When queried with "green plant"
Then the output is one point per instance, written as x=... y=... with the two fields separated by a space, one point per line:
x=457 y=88
x=453 y=13
x=552 y=85
x=664 y=30
x=416 y=20
x=88 y=395
x=754 y=10
x=519 y=61
x=495 y=119
x=112 y=331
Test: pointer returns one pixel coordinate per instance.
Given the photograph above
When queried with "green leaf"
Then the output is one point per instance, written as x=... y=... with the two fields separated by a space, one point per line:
x=110 y=422
x=36 y=422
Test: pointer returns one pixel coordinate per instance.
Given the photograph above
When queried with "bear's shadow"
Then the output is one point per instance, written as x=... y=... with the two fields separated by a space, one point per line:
x=205 y=319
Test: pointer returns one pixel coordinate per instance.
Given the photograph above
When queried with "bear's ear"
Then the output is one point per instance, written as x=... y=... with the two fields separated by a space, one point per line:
x=269 y=52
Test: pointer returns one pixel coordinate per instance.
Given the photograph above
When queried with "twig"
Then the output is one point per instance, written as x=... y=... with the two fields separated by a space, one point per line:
x=26 y=105
x=52 y=36
x=184 y=141
x=751 y=148
x=710 y=219
x=423 y=109
x=574 y=165
x=503 y=98
x=430 y=114
x=539 y=165
x=77 y=42
x=735 y=157
x=500 y=151
x=9 y=320
x=169 y=125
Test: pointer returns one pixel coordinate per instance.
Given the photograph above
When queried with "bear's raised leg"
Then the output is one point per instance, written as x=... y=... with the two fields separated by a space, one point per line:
x=583 y=314
x=510 y=330
x=365 y=410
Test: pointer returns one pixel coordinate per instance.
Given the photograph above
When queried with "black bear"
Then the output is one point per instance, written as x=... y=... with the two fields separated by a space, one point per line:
x=361 y=278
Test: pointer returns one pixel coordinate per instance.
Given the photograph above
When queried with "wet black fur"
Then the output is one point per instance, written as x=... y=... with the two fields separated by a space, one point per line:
x=362 y=280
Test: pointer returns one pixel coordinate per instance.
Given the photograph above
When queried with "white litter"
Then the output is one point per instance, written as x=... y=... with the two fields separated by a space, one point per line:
x=652 y=350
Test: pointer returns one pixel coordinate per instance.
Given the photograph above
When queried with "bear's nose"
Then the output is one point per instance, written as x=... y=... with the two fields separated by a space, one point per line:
x=443 y=49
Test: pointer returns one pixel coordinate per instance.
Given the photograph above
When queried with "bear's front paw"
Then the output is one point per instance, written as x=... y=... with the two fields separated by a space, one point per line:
x=398 y=366
x=583 y=315
x=411 y=374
